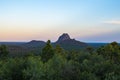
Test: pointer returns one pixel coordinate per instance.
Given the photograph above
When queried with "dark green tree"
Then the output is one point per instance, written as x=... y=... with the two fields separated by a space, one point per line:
x=110 y=51
x=90 y=49
x=58 y=49
x=47 y=52
x=34 y=70
x=11 y=69
x=3 y=51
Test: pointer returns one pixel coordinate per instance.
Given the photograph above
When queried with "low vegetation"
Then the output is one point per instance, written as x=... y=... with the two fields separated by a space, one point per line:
x=57 y=64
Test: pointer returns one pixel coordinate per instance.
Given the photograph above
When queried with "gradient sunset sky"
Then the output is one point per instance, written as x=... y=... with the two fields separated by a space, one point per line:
x=84 y=20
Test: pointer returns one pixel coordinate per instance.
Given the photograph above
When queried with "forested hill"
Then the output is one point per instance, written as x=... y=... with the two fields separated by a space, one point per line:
x=35 y=46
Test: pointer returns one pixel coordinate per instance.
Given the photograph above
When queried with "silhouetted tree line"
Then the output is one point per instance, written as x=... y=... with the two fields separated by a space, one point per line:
x=57 y=64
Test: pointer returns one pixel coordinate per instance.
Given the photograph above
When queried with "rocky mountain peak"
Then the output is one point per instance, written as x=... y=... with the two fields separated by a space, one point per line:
x=63 y=37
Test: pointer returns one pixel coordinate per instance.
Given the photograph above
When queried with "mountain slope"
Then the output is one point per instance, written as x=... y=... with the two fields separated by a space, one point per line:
x=35 y=46
x=35 y=43
x=67 y=43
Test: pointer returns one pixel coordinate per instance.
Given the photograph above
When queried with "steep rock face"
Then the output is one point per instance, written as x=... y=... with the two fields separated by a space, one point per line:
x=67 y=43
x=63 y=37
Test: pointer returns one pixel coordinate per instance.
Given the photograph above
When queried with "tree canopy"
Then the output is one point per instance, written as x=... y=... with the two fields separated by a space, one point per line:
x=102 y=63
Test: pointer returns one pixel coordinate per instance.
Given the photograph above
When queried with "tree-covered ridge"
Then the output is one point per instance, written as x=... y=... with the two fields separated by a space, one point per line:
x=57 y=64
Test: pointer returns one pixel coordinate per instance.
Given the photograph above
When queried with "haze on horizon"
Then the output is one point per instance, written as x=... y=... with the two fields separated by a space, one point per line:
x=84 y=20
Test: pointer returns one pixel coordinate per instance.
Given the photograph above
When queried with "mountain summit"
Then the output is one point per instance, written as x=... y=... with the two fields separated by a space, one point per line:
x=67 y=43
x=64 y=41
x=63 y=37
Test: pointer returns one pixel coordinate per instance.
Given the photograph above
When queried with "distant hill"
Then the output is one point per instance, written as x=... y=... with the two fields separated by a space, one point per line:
x=34 y=43
x=67 y=43
x=12 y=43
x=36 y=46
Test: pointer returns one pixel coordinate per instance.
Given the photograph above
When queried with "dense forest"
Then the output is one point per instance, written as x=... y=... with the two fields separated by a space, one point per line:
x=55 y=63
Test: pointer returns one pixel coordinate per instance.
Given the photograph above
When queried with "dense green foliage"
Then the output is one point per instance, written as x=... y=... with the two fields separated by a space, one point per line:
x=47 y=52
x=3 y=51
x=57 y=64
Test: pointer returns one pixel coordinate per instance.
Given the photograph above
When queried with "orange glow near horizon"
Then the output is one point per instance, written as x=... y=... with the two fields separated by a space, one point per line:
x=39 y=33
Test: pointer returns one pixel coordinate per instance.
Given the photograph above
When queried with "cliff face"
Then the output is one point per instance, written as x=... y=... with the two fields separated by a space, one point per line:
x=63 y=37
x=65 y=41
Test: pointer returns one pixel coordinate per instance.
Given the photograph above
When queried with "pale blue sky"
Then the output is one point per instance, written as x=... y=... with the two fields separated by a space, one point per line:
x=85 y=20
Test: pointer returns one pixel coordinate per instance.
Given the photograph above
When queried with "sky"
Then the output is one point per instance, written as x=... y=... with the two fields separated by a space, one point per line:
x=84 y=20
